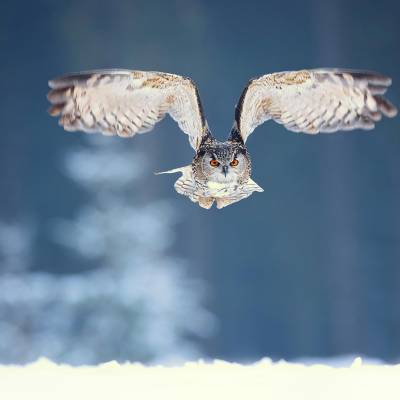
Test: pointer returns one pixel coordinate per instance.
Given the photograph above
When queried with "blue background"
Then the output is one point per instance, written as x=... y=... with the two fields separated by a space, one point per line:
x=310 y=267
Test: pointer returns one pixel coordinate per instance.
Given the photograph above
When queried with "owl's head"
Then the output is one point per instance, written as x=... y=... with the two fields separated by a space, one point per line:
x=225 y=162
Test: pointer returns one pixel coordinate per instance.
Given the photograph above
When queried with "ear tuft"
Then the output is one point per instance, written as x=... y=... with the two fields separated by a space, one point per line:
x=235 y=135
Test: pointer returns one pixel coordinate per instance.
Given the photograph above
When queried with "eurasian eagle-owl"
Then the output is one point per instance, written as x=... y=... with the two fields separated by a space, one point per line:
x=123 y=102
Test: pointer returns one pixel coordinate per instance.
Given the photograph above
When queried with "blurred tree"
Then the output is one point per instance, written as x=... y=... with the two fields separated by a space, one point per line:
x=137 y=304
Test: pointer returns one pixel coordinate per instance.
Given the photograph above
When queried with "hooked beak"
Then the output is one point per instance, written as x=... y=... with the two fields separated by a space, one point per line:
x=225 y=170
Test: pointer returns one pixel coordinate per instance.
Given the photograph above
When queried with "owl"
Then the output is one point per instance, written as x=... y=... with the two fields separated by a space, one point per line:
x=124 y=103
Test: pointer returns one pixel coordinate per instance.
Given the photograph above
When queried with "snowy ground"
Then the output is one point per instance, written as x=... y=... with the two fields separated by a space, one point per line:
x=218 y=380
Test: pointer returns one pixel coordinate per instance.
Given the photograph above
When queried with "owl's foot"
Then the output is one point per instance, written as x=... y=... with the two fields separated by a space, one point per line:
x=205 y=202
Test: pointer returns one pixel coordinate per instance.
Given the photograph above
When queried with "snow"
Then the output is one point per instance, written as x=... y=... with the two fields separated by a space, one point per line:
x=199 y=380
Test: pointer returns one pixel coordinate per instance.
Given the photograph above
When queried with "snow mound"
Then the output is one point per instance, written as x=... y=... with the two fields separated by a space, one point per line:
x=199 y=380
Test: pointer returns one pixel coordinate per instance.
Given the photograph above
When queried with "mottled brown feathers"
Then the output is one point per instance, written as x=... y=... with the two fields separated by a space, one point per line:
x=288 y=78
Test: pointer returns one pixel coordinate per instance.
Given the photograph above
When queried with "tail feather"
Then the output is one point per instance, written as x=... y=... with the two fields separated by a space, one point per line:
x=186 y=186
x=183 y=170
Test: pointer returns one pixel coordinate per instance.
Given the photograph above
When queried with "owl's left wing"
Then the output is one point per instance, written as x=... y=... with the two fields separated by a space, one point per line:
x=312 y=101
x=123 y=102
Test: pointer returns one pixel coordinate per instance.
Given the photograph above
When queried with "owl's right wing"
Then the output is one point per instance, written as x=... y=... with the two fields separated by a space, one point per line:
x=312 y=101
x=124 y=103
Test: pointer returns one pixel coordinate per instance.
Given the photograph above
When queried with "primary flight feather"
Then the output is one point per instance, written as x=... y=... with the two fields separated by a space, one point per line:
x=124 y=103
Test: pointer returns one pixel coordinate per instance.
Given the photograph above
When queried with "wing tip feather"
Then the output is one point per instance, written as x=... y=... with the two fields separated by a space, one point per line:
x=55 y=110
x=386 y=107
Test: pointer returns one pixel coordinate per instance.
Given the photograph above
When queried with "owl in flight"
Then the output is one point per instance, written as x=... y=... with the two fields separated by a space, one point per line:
x=124 y=103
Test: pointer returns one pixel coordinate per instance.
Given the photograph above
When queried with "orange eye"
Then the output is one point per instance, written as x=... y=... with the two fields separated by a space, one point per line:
x=214 y=163
x=234 y=163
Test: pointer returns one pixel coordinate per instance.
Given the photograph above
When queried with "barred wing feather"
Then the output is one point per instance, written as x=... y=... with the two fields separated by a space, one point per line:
x=312 y=101
x=124 y=102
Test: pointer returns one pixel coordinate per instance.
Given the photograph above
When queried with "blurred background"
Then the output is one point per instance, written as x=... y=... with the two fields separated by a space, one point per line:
x=100 y=259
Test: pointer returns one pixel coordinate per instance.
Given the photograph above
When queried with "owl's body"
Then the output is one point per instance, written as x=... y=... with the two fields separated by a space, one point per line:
x=124 y=103
x=225 y=182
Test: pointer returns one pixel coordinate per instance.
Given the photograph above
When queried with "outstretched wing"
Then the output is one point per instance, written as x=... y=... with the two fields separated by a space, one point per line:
x=123 y=102
x=312 y=101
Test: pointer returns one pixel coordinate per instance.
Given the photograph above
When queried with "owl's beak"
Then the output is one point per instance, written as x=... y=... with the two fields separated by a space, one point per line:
x=225 y=170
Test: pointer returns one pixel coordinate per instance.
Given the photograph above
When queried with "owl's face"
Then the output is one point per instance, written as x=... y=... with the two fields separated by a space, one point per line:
x=225 y=163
